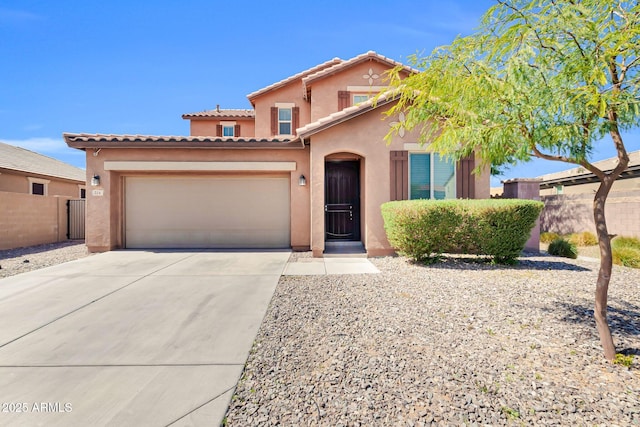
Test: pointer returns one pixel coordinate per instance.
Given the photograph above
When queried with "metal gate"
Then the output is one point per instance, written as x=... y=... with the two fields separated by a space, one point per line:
x=75 y=219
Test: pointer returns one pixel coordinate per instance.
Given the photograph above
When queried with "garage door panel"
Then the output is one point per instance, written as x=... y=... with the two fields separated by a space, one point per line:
x=175 y=212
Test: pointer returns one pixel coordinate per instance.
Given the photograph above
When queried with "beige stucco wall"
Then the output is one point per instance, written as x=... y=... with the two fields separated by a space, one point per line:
x=31 y=220
x=290 y=93
x=207 y=127
x=362 y=136
x=105 y=214
x=325 y=90
x=18 y=182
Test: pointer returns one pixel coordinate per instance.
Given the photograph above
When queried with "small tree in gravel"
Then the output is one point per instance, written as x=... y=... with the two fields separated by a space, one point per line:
x=539 y=78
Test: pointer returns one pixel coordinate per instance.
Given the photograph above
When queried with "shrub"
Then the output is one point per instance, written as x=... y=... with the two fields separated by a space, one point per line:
x=423 y=229
x=626 y=251
x=548 y=237
x=629 y=242
x=563 y=248
x=586 y=238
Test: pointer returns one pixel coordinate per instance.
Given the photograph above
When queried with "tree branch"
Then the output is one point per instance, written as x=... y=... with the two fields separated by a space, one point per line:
x=576 y=42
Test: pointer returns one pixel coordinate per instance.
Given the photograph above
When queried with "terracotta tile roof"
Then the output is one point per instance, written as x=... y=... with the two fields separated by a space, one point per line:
x=307 y=80
x=85 y=140
x=221 y=113
x=345 y=114
x=23 y=160
x=300 y=75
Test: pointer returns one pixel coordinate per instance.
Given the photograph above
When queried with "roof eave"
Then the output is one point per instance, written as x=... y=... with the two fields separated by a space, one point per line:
x=98 y=141
x=347 y=117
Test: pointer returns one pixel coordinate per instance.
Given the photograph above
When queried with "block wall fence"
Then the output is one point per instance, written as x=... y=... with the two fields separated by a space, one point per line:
x=572 y=213
x=27 y=220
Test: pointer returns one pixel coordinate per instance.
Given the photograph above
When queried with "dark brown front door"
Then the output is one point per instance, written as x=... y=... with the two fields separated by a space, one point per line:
x=342 y=200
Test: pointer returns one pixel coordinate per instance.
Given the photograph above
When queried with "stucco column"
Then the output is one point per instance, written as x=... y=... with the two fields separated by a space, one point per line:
x=525 y=188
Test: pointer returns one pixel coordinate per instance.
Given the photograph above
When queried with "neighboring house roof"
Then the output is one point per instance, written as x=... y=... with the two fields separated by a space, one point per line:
x=23 y=160
x=295 y=77
x=221 y=114
x=346 y=114
x=97 y=141
x=371 y=55
x=580 y=175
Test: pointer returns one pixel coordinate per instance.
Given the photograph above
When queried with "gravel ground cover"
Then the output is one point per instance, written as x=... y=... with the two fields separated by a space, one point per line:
x=21 y=260
x=454 y=343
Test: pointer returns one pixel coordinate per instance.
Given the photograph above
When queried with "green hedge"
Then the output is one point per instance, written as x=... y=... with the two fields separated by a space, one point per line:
x=422 y=229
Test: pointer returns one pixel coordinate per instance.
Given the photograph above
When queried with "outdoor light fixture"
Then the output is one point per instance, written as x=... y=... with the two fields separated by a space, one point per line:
x=95 y=181
x=302 y=181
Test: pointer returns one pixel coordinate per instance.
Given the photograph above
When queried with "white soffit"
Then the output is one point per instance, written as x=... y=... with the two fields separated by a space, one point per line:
x=198 y=166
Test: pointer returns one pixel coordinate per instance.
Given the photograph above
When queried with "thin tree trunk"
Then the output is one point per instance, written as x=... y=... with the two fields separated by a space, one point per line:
x=604 y=275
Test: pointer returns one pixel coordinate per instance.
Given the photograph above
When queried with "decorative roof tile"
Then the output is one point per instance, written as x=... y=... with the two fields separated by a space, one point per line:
x=300 y=75
x=346 y=114
x=23 y=160
x=84 y=140
x=221 y=113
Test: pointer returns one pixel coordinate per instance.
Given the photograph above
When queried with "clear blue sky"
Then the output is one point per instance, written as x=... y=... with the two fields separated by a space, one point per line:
x=135 y=67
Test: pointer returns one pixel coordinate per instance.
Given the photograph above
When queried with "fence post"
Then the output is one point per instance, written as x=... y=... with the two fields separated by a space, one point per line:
x=525 y=188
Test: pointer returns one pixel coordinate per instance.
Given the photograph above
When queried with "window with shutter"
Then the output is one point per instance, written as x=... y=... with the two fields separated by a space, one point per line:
x=465 y=182
x=431 y=177
x=218 y=130
x=344 y=99
x=274 y=120
x=295 y=119
x=399 y=175
x=236 y=130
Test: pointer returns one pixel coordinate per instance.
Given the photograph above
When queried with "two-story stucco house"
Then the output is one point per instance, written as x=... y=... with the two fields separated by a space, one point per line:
x=305 y=168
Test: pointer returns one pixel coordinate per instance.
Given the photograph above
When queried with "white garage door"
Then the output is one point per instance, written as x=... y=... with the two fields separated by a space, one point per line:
x=194 y=212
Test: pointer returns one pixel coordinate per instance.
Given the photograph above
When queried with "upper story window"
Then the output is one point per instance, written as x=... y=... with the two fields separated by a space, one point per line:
x=285 y=118
x=431 y=177
x=359 y=99
x=284 y=121
x=228 y=130
x=38 y=186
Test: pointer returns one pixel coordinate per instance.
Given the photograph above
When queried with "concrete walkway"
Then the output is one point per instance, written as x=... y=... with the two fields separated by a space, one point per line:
x=131 y=338
x=322 y=266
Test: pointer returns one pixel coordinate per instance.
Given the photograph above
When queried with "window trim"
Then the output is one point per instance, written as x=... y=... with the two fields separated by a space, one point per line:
x=290 y=121
x=354 y=95
x=226 y=126
x=431 y=176
x=32 y=180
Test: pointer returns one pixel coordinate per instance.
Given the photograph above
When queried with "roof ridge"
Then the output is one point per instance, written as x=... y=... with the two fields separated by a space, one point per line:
x=353 y=61
x=294 y=77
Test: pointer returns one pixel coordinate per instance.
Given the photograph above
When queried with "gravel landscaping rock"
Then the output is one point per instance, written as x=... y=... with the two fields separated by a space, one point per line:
x=21 y=260
x=455 y=343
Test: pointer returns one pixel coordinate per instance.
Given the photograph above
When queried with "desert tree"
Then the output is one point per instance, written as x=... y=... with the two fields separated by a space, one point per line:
x=544 y=79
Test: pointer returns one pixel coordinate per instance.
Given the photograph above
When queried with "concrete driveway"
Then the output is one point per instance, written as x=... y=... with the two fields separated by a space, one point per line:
x=131 y=338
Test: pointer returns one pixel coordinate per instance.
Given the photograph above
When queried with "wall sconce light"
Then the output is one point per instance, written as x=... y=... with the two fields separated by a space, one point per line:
x=95 y=181
x=302 y=181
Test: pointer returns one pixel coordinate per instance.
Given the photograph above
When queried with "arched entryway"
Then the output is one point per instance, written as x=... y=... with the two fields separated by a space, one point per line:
x=342 y=210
